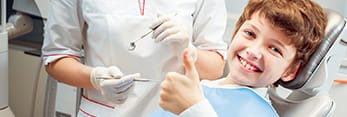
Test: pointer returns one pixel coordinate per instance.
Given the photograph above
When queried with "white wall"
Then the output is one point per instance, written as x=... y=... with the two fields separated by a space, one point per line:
x=234 y=8
x=337 y=5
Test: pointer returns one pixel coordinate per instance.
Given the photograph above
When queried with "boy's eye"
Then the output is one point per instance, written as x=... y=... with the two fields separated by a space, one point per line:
x=250 y=33
x=276 y=50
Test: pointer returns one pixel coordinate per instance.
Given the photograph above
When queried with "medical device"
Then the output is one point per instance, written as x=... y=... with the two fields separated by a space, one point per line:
x=309 y=91
x=136 y=79
x=18 y=24
x=132 y=45
x=5 y=110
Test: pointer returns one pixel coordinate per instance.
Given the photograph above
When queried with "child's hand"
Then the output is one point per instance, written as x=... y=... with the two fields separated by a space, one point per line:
x=180 y=92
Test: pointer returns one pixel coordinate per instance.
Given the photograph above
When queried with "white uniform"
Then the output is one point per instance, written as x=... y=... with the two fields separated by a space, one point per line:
x=106 y=27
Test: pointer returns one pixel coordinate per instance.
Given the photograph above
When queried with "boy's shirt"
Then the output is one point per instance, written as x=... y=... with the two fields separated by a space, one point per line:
x=226 y=101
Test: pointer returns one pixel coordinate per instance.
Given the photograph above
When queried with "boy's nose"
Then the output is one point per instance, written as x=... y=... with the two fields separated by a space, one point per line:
x=254 y=52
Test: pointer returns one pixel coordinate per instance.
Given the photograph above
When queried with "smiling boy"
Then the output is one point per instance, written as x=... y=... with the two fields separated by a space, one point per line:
x=272 y=40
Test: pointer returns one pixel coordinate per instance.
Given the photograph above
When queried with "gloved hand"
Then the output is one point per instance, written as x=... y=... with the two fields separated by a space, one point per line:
x=113 y=85
x=175 y=31
x=172 y=28
x=193 y=52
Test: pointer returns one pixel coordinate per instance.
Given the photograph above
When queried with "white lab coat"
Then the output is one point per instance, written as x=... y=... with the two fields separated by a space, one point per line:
x=106 y=27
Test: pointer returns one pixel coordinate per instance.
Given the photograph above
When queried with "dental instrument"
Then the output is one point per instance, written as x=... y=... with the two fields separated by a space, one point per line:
x=132 y=45
x=135 y=79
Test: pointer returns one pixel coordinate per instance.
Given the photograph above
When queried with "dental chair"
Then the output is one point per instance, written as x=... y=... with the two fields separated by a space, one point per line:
x=308 y=94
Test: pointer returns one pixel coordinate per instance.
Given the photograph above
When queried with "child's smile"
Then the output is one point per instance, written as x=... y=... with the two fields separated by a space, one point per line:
x=259 y=54
x=248 y=66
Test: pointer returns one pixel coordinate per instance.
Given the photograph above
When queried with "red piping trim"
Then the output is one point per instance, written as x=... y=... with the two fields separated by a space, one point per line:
x=108 y=106
x=48 y=55
x=87 y=113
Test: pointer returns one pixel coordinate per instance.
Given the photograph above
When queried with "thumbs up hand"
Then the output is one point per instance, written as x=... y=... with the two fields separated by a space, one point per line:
x=179 y=91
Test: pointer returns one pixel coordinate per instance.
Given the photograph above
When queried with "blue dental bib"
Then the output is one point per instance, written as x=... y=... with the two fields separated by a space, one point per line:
x=232 y=102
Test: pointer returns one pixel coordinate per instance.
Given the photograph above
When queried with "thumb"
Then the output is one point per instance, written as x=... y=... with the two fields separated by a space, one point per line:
x=189 y=65
x=115 y=72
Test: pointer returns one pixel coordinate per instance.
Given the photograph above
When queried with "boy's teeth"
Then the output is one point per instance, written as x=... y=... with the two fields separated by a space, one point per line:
x=249 y=67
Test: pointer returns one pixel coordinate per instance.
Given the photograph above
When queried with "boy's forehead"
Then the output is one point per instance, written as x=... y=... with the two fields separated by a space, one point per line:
x=266 y=30
x=262 y=24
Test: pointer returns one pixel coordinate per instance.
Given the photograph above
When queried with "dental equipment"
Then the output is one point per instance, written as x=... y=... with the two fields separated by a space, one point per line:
x=132 y=45
x=308 y=94
x=5 y=110
x=135 y=79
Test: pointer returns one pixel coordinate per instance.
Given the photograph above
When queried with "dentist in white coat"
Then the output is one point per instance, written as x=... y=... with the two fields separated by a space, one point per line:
x=101 y=31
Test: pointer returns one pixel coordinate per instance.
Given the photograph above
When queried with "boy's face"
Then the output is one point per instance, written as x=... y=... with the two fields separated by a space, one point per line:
x=259 y=54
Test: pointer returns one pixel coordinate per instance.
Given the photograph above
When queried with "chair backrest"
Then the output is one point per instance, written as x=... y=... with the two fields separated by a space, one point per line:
x=308 y=92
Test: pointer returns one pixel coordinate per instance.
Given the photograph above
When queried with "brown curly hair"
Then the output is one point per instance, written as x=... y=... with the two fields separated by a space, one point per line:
x=303 y=21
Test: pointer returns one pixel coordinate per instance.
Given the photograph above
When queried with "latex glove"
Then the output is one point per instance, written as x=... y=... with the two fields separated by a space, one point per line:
x=113 y=85
x=172 y=29
x=179 y=91
x=193 y=52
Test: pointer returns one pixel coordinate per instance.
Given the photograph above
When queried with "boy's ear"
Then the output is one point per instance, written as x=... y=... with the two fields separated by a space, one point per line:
x=290 y=74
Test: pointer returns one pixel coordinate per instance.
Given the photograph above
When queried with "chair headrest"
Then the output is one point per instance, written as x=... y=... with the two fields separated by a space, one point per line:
x=335 y=26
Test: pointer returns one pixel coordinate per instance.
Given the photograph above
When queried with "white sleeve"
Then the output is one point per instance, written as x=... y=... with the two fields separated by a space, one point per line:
x=63 y=31
x=209 y=26
x=201 y=109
